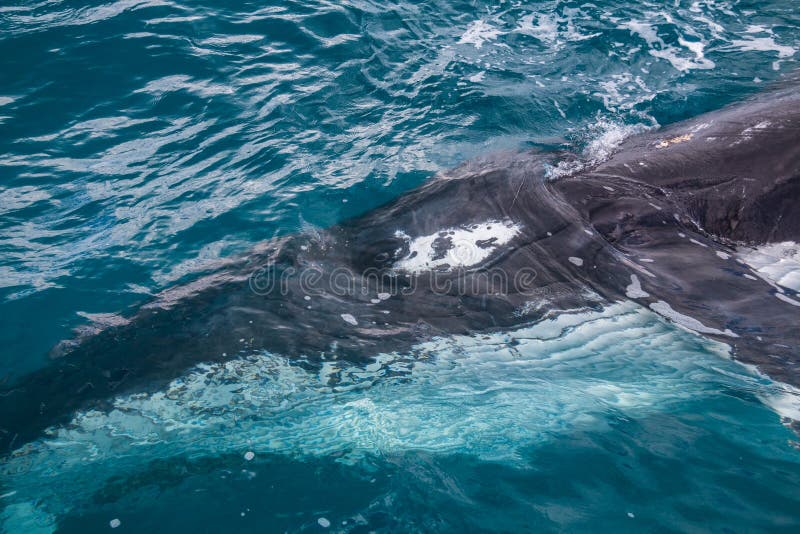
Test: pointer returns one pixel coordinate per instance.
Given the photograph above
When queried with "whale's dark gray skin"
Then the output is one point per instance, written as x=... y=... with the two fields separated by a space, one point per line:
x=646 y=224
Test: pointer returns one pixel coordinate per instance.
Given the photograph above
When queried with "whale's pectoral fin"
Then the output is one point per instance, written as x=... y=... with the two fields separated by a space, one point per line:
x=703 y=286
x=652 y=218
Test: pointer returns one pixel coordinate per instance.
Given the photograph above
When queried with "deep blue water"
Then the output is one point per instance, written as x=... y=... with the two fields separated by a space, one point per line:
x=143 y=141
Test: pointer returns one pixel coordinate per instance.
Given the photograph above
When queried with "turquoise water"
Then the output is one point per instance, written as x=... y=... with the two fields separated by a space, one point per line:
x=143 y=141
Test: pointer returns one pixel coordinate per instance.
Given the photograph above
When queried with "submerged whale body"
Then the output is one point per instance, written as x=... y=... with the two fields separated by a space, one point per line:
x=494 y=243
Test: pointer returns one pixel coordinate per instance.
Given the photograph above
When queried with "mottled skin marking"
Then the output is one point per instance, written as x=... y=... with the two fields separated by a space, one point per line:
x=675 y=140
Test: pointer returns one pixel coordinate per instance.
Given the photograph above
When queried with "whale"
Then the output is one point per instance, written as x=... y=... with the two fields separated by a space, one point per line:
x=503 y=240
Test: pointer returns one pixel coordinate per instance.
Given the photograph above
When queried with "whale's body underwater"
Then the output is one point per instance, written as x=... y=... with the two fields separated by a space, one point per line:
x=494 y=243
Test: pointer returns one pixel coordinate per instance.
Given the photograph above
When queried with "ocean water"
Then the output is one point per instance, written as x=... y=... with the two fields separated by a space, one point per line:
x=144 y=141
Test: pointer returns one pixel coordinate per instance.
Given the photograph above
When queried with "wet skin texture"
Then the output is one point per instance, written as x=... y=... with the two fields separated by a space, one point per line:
x=676 y=196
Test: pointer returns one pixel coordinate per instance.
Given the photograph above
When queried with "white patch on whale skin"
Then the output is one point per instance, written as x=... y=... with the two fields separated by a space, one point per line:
x=701 y=126
x=634 y=290
x=674 y=141
x=690 y=323
x=747 y=133
x=346 y=317
x=763 y=125
x=576 y=261
x=469 y=246
x=636 y=266
x=786 y=299
x=778 y=263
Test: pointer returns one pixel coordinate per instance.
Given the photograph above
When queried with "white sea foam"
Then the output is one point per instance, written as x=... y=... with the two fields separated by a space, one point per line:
x=552 y=29
x=563 y=169
x=478 y=33
x=455 y=247
x=763 y=44
x=785 y=401
x=607 y=136
x=604 y=137
x=624 y=91
x=541 y=26
x=782 y=398
x=656 y=47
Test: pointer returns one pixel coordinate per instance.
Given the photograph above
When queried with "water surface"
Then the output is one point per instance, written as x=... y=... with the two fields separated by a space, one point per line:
x=143 y=141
